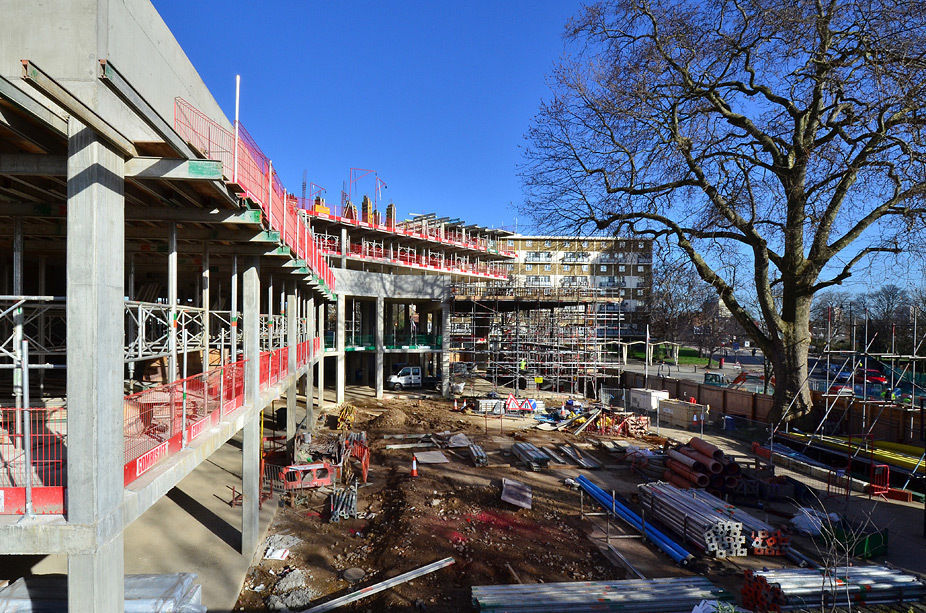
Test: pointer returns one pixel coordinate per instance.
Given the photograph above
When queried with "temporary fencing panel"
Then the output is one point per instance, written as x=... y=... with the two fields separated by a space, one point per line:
x=48 y=438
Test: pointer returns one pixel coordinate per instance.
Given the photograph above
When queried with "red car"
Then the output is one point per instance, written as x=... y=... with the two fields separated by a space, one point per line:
x=871 y=375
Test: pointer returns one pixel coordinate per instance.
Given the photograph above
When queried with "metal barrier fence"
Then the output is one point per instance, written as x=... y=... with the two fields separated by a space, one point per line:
x=164 y=419
x=46 y=464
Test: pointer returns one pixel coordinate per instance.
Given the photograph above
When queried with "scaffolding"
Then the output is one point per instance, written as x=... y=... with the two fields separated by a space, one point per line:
x=566 y=340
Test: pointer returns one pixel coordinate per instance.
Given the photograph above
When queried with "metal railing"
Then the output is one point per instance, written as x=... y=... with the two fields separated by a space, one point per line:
x=164 y=419
x=44 y=467
x=245 y=164
x=555 y=293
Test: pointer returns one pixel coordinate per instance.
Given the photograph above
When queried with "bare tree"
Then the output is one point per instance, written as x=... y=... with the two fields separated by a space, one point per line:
x=677 y=296
x=784 y=135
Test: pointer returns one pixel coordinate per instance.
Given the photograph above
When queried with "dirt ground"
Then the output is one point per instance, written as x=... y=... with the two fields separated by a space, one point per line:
x=450 y=509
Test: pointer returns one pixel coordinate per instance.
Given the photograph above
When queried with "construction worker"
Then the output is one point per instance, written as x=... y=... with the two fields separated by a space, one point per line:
x=523 y=365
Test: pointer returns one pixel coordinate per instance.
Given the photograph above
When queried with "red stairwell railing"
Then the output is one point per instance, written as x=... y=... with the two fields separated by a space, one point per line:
x=255 y=177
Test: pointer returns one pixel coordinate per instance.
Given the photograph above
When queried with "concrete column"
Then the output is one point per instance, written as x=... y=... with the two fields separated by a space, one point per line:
x=321 y=321
x=445 y=349
x=339 y=372
x=345 y=247
x=292 y=323
x=172 y=300
x=250 y=452
x=380 y=329
x=95 y=335
x=310 y=371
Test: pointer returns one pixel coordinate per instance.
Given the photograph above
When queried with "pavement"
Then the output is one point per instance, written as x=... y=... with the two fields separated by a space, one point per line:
x=191 y=529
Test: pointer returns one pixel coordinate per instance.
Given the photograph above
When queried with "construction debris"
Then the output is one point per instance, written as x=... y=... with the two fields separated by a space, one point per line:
x=580 y=458
x=671 y=595
x=431 y=457
x=617 y=509
x=516 y=493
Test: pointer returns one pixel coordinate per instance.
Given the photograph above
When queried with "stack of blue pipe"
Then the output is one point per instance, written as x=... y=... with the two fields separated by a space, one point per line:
x=670 y=547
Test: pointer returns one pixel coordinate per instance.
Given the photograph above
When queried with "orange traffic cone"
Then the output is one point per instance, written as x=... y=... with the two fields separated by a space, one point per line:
x=414 y=466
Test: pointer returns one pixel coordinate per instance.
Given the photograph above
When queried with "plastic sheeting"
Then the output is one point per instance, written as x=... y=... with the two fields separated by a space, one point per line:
x=176 y=593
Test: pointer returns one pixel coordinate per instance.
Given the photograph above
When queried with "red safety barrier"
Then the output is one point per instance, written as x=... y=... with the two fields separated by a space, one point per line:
x=161 y=420
x=302 y=476
x=48 y=438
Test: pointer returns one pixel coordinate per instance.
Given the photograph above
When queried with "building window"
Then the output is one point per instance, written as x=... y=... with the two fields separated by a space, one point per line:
x=546 y=243
x=641 y=245
x=585 y=243
x=604 y=269
x=529 y=267
x=584 y=267
x=547 y=267
x=567 y=267
x=530 y=243
x=510 y=242
x=620 y=245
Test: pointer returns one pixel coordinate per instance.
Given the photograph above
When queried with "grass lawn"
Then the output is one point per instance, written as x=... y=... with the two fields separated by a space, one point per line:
x=686 y=355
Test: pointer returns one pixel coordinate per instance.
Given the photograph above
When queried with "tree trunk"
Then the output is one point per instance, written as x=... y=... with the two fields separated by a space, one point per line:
x=789 y=364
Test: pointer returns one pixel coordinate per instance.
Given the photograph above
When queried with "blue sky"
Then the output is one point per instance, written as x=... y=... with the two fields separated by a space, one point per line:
x=434 y=96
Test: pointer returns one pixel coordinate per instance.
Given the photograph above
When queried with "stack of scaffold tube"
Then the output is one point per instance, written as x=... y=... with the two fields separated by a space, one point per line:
x=798 y=588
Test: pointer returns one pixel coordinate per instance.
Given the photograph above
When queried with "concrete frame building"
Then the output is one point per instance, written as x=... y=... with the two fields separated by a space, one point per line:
x=160 y=288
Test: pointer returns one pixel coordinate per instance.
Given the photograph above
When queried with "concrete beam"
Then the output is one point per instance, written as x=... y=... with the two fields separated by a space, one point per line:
x=141 y=213
x=116 y=82
x=29 y=164
x=173 y=169
x=95 y=336
x=142 y=167
x=34 y=109
x=34 y=75
x=26 y=129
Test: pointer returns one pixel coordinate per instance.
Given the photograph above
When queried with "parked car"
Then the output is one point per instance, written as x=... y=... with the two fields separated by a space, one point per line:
x=870 y=375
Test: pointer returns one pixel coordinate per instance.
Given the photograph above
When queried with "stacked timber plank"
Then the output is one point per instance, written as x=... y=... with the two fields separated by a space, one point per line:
x=696 y=516
x=700 y=464
x=797 y=588
x=671 y=595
